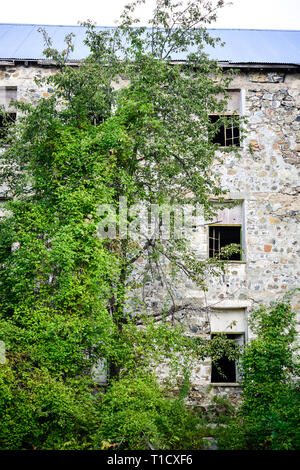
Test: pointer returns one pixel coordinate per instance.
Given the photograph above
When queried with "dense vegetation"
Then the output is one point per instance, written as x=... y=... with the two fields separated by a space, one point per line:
x=64 y=291
x=268 y=418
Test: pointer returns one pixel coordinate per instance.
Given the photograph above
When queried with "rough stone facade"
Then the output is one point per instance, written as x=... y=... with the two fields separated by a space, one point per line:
x=22 y=76
x=266 y=182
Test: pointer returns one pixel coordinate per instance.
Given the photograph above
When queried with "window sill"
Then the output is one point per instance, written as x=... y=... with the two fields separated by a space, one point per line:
x=226 y=384
x=235 y=261
x=232 y=261
x=229 y=147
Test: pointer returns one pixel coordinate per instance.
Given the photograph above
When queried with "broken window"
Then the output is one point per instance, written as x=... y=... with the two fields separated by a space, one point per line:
x=96 y=119
x=6 y=120
x=226 y=132
x=226 y=229
x=221 y=237
x=225 y=370
x=8 y=115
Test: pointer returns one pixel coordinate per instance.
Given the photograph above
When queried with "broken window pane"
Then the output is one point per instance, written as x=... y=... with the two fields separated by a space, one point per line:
x=221 y=236
x=228 y=131
x=225 y=370
x=6 y=120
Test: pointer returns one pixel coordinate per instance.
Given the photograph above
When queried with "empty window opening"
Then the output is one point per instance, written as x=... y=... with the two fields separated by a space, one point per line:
x=6 y=120
x=226 y=370
x=222 y=236
x=8 y=94
x=228 y=133
x=96 y=119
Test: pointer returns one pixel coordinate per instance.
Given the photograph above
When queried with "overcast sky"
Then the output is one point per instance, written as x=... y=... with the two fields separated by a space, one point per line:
x=261 y=14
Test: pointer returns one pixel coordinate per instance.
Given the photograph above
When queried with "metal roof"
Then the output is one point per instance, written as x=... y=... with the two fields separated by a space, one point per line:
x=24 y=42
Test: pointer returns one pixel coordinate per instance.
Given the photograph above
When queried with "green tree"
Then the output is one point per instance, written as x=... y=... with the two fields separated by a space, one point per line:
x=269 y=415
x=64 y=291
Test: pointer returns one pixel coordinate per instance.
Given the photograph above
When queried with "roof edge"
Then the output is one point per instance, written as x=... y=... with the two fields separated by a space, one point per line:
x=222 y=63
x=112 y=27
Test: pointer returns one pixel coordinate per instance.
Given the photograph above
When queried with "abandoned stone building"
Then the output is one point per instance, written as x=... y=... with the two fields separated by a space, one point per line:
x=265 y=180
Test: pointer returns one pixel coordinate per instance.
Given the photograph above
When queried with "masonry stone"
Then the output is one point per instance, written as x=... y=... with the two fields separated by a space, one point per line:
x=265 y=180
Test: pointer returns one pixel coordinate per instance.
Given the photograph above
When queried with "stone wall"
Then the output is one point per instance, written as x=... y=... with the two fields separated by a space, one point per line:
x=23 y=77
x=265 y=179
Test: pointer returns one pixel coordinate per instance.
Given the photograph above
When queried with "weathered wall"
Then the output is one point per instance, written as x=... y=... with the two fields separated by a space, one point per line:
x=267 y=178
x=23 y=77
x=266 y=181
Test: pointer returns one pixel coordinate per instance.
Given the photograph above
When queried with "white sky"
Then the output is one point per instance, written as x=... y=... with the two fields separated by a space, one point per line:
x=261 y=14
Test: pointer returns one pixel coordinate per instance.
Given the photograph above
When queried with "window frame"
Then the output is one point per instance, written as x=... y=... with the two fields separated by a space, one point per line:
x=225 y=128
x=11 y=117
x=241 y=222
x=241 y=335
x=236 y=110
x=241 y=241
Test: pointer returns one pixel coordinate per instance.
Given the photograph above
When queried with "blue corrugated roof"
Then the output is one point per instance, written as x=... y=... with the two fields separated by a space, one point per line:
x=23 y=41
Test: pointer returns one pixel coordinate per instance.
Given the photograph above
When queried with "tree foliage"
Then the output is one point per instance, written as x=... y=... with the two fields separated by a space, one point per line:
x=64 y=291
x=268 y=418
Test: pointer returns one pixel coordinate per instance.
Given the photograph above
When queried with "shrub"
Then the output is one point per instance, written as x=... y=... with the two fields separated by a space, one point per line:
x=269 y=415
